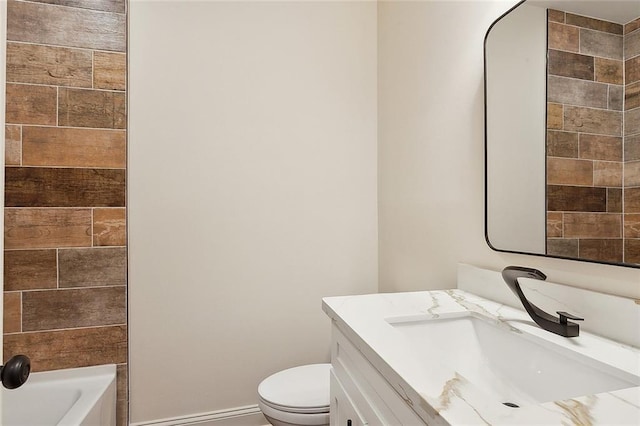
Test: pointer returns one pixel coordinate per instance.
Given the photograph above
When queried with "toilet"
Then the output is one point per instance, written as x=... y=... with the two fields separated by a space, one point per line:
x=298 y=396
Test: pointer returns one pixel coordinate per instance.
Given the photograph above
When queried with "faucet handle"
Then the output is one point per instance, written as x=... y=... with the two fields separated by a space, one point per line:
x=565 y=315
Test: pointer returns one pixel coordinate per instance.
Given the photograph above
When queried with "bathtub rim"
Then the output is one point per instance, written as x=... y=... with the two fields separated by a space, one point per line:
x=92 y=382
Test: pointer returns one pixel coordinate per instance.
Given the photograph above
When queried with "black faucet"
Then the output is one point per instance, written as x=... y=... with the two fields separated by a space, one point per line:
x=558 y=325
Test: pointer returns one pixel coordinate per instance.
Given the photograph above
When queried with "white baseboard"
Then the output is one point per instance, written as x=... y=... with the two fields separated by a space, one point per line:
x=249 y=415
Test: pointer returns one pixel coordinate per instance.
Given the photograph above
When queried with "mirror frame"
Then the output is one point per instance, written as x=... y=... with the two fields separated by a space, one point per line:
x=486 y=171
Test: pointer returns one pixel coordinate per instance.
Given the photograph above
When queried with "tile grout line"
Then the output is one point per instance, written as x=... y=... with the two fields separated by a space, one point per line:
x=56 y=330
x=63 y=289
x=72 y=7
x=58 y=46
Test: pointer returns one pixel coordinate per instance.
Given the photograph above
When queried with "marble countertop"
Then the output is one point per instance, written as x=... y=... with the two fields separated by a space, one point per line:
x=441 y=395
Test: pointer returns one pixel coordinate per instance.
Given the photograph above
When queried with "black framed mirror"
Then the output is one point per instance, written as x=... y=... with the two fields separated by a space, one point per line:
x=562 y=130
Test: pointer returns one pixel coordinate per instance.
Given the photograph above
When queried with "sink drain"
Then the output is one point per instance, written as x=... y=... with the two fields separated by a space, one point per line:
x=511 y=404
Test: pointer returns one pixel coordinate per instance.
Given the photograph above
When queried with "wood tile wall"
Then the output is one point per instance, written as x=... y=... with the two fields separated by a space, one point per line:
x=593 y=122
x=65 y=241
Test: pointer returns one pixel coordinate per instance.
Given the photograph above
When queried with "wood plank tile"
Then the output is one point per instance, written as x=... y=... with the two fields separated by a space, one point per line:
x=607 y=173
x=632 y=122
x=12 y=312
x=122 y=395
x=632 y=26
x=122 y=413
x=632 y=251
x=109 y=227
x=30 y=269
x=576 y=198
x=91 y=108
x=563 y=37
x=121 y=381
x=602 y=250
x=632 y=148
x=52 y=350
x=567 y=64
x=58 y=187
x=609 y=71
x=28 y=104
x=104 y=5
x=12 y=145
x=599 y=147
x=616 y=97
x=110 y=70
x=632 y=45
x=632 y=70
x=614 y=200
x=590 y=120
x=555 y=116
x=57 y=66
x=65 y=26
x=632 y=225
x=597 y=43
x=554 y=224
x=567 y=171
x=632 y=200
x=555 y=15
x=631 y=173
x=73 y=308
x=562 y=90
x=594 y=24
x=632 y=96
x=562 y=144
x=92 y=267
x=64 y=147
x=46 y=228
x=593 y=225
x=562 y=247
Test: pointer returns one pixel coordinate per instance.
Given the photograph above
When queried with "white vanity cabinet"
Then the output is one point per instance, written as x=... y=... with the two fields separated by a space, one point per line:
x=360 y=395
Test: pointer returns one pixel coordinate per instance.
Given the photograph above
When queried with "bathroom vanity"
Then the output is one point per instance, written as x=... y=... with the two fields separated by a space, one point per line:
x=454 y=357
x=472 y=355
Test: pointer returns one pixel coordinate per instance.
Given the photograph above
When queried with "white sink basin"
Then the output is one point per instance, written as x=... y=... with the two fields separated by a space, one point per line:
x=511 y=365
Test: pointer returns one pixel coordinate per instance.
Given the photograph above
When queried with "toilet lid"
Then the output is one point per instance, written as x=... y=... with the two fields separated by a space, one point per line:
x=298 y=389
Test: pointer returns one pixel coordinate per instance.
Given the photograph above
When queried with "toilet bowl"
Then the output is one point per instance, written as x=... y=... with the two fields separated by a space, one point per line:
x=297 y=396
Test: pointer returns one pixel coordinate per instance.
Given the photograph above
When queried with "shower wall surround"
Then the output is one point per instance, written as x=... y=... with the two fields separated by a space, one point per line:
x=593 y=172
x=65 y=243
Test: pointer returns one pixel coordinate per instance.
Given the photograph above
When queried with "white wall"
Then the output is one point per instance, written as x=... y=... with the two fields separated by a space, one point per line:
x=252 y=192
x=252 y=181
x=431 y=159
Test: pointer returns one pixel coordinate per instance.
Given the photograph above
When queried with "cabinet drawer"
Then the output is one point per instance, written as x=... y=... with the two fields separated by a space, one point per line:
x=367 y=409
x=343 y=411
x=382 y=405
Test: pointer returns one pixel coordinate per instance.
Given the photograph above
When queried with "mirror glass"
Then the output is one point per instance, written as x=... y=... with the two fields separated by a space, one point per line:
x=562 y=130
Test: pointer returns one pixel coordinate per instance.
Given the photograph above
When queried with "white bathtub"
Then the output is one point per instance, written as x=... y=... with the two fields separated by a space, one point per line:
x=74 y=397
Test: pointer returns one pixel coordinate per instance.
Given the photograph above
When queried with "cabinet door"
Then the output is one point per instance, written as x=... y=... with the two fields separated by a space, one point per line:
x=342 y=411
